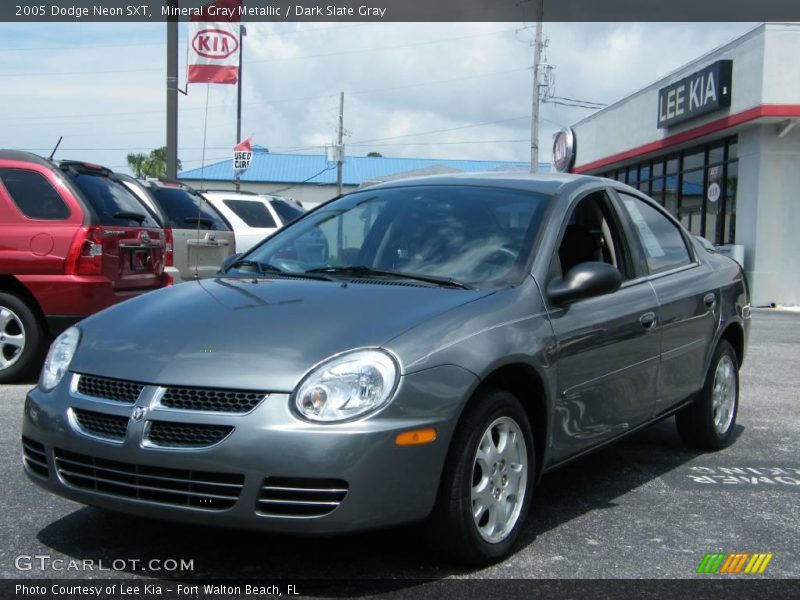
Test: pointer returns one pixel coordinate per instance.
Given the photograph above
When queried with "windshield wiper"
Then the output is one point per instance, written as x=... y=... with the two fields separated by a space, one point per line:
x=131 y=216
x=266 y=269
x=362 y=271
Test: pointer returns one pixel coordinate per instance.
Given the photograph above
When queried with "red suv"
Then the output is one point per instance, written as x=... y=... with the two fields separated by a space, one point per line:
x=73 y=241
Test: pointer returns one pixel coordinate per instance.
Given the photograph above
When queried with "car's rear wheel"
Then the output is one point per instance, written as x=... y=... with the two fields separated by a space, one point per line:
x=487 y=482
x=21 y=339
x=709 y=421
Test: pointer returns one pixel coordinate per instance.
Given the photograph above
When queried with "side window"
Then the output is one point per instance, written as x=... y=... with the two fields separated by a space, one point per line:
x=663 y=243
x=33 y=195
x=253 y=213
x=592 y=235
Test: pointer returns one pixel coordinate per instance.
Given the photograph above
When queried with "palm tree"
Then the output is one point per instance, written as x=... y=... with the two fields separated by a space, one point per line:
x=152 y=165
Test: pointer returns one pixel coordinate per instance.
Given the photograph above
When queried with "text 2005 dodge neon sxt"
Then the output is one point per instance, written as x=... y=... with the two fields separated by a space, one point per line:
x=416 y=350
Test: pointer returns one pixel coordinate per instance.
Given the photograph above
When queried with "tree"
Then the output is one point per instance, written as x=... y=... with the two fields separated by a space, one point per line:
x=374 y=154
x=152 y=165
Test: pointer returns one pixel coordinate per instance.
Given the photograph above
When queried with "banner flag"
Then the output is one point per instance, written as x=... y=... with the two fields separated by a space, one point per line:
x=242 y=156
x=213 y=53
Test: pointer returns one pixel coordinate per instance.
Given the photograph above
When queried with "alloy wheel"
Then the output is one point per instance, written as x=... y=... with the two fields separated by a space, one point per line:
x=723 y=394
x=499 y=479
x=12 y=338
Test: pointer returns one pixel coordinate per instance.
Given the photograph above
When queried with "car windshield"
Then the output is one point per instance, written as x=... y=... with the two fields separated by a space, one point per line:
x=185 y=210
x=471 y=236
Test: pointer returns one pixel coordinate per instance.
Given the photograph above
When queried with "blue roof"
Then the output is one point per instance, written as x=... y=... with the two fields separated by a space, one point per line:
x=315 y=169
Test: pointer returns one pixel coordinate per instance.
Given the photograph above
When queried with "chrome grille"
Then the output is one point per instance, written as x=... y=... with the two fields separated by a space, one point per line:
x=185 y=435
x=175 y=487
x=35 y=457
x=296 y=497
x=109 y=389
x=110 y=427
x=208 y=399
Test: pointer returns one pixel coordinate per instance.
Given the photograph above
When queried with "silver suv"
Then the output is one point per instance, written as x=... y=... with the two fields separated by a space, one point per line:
x=199 y=236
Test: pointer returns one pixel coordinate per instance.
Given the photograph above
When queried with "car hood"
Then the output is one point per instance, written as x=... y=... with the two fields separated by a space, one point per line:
x=259 y=334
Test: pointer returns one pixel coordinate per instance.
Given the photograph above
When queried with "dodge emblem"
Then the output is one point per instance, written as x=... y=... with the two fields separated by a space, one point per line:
x=138 y=413
x=144 y=237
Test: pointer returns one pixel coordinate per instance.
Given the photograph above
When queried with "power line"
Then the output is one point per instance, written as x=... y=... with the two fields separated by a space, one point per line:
x=270 y=60
x=268 y=102
x=441 y=130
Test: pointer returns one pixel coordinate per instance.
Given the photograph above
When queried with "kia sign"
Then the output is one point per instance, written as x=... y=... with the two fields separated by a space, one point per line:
x=700 y=93
x=214 y=46
x=564 y=150
x=214 y=43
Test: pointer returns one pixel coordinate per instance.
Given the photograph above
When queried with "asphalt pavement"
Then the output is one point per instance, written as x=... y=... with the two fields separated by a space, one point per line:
x=643 y=508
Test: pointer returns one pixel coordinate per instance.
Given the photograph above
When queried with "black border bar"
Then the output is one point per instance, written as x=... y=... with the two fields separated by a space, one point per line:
x=411 y=10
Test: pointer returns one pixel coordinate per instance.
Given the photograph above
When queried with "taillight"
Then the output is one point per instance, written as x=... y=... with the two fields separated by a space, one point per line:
x=86 y=253
x=169 y=258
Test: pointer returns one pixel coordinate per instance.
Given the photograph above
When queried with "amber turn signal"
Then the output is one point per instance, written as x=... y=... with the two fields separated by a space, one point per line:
x=415 y=438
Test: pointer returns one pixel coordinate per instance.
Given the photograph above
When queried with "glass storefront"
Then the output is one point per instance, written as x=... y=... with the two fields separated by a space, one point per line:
x=697 y=185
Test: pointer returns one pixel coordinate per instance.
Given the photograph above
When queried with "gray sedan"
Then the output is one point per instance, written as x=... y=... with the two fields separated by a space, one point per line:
x=458 y=337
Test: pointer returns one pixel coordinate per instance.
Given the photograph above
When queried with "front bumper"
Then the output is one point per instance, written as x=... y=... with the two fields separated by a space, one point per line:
x=385 y=484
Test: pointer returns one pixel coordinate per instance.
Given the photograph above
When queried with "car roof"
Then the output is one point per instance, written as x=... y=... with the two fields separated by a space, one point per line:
x=544 y=183
x=234 y=195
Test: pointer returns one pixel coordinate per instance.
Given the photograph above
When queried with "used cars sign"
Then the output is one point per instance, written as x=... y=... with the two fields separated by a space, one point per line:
x=702 y=92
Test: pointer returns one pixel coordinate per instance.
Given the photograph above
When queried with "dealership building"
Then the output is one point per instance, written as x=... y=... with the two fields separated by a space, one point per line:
x=716 y=143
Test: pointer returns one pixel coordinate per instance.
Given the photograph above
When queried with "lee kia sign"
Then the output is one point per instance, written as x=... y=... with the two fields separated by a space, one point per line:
x=702 y=92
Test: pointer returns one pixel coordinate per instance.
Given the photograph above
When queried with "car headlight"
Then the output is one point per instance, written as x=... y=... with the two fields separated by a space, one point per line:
x=58 y=358
x=347 y=386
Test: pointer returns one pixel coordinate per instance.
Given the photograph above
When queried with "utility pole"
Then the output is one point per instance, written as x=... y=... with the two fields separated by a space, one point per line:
x=242 y=34
x=339 y=146
x=172 y=94
x=537 y=57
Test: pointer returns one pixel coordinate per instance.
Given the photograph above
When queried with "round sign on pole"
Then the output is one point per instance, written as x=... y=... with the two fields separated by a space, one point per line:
x=714 y=192
x=564 y=150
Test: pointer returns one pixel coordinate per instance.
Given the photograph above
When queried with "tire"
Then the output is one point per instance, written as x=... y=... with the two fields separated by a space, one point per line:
x=709 y=421
x=19 y=324
x=451 y=528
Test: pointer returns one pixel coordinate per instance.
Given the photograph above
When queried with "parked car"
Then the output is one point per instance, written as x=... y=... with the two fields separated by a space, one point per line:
x=466 y=335
x=73 y=241
x=199 y=238
x=253 y=216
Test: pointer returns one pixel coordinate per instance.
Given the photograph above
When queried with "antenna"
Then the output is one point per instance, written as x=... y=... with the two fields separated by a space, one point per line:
x=53 y=153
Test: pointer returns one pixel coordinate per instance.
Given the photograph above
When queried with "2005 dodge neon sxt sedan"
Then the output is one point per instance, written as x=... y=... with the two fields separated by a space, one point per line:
x=452 y=339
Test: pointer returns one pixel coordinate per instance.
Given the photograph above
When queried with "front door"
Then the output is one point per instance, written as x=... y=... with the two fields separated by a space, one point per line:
x=608 y=346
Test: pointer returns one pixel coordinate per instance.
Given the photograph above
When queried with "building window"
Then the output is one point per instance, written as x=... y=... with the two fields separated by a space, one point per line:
x=697 y=186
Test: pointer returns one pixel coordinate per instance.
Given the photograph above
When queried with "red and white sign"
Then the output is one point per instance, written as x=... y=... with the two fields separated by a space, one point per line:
x=214 y=46
x=242 y=156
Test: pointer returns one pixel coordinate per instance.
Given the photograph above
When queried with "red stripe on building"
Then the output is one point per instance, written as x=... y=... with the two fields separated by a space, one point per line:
x=212 y=74
x=751 y=114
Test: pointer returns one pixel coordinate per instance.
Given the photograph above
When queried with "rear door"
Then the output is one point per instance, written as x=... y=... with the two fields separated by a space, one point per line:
x=132 y=240
x=202 y=239
x=688 y=301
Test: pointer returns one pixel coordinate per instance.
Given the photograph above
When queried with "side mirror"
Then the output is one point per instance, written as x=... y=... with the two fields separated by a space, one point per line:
x=228 y=262
x=584 y=280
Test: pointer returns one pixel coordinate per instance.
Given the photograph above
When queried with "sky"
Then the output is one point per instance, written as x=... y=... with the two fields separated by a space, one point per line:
x=426 y=90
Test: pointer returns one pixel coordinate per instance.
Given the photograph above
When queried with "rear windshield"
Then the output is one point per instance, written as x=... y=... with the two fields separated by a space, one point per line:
x=112 y=202
x=253 y=212
x=185 y=210
x=286 y=211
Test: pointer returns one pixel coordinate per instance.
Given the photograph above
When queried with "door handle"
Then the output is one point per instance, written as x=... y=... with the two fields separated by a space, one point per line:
x=648 y=320
x=710 y=300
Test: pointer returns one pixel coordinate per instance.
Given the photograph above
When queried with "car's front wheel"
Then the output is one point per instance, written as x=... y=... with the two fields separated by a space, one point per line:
x=709 y=421
x=487 y=482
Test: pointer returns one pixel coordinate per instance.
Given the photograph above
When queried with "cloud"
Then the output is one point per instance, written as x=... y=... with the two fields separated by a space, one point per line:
x=399 y=80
